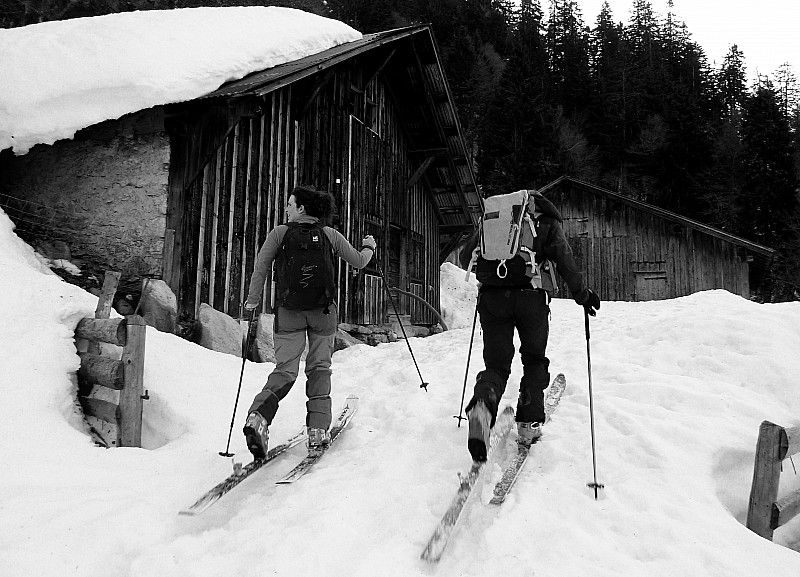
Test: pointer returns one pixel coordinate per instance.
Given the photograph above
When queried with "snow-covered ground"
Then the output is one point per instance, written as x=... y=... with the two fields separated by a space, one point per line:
x=680 y=388
x=59 y=77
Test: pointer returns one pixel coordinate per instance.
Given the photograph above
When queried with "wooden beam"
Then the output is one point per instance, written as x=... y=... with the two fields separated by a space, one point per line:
x=106 y=300
x=168 y=266
x=766 y=477
x=104 y=303
x=790 y=442
x=420 y=171
x=103 y=410
x=112 y=331
x=131 y=395
x=785 y=509
x=101 y=370
x=452 y=242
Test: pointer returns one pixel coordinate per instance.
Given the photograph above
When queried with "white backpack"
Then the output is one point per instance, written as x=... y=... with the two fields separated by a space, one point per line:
x=507 y=230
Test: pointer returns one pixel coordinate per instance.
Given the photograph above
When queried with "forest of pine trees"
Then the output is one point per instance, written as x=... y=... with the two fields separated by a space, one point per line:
x=633 y=106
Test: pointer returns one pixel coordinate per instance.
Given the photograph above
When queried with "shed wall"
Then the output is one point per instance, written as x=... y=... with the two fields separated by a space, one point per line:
x=234 y=178
x=104 y=193
x=628 y=254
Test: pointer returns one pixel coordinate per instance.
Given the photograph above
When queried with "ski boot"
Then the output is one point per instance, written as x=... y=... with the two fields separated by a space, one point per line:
x=257 y=434
x=318 y=441
x=528 y=433
x=480 y=420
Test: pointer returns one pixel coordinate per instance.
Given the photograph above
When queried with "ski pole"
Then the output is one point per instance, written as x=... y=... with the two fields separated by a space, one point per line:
x=466 y=371
x=245 y=349
x=594 y=485
x=423 y=384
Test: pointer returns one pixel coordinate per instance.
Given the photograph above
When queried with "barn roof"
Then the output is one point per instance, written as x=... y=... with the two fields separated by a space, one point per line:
x=762 y=255
x=409 y=60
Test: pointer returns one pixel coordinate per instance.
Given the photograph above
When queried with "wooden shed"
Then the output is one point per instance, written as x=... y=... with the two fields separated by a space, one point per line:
x=197 y=185
x=633 y=251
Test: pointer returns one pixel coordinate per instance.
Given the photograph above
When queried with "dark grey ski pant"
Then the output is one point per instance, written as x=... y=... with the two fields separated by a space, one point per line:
x=501 y=311
x=292 y=327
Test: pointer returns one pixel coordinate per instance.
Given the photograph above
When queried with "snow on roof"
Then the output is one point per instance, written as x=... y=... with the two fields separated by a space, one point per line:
x=60 y=77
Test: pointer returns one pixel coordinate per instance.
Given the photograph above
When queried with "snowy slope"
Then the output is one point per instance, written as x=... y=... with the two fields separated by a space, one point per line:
x=680 y=388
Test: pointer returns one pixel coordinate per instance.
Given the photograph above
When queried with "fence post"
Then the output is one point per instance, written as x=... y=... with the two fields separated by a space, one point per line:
x=131 y=395
x=766 y=478
x=105 y=302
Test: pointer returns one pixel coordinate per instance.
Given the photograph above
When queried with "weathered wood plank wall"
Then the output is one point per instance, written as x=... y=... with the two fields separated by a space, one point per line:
x=327 y=131
x=631 y=255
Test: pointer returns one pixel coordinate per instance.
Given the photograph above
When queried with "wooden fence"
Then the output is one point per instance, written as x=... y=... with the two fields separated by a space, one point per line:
x=766 y=512
x=125 y=375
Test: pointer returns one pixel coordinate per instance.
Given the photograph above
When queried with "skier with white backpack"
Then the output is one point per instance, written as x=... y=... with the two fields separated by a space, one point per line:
x=515 y=255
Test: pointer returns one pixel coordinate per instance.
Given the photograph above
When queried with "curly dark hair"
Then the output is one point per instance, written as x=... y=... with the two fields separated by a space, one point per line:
x=318 y=203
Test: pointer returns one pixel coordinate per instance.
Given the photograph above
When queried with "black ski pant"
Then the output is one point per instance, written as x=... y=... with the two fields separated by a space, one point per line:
x=501 y=311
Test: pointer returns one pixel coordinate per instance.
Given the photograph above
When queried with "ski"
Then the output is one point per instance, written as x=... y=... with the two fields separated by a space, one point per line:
x=240 y=474
x=438 y=541
x=512 y=471
x=350 y=408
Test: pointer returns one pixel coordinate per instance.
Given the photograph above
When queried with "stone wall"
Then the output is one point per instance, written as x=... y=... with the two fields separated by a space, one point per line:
x=104 y=193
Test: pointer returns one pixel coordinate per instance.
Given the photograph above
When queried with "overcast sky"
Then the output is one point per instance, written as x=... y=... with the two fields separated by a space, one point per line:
x=766 y=31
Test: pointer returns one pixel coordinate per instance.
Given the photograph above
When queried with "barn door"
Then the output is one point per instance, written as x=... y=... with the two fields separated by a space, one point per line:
x=650 y=282
x=362 y=300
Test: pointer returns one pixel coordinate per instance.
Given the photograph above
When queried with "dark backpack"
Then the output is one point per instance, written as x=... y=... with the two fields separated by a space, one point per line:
x=304 y=268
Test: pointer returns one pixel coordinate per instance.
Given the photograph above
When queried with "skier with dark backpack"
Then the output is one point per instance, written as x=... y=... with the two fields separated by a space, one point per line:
x=304 y=252
x=515 y=254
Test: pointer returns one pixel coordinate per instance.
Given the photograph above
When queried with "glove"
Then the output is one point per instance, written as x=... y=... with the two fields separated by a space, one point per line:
x=369 y=242
x=248 y=306
x=252 y=323
x=589 y=300
x=252 y=329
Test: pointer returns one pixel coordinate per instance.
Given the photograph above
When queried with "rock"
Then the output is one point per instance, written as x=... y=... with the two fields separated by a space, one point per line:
x=123 y=307
x=219 y=332
x=344 y=340
x=376 y=339
x=159 y=306
x=263 y=349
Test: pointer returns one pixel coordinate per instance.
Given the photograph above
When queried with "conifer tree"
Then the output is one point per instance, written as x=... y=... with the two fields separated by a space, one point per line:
x=731 y=82
x=567 y=43
x=608 y=113
x=770 y=184
x=786 y=88
x=514 y=147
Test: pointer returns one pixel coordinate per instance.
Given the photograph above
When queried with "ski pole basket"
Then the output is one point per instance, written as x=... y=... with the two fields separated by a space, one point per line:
x=766 y=512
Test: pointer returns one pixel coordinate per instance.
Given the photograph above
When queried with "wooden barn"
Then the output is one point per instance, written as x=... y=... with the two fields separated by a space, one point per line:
x=633 y=251
x=187 y=192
